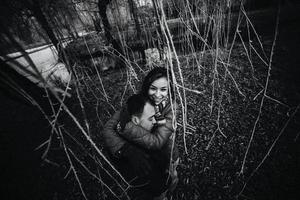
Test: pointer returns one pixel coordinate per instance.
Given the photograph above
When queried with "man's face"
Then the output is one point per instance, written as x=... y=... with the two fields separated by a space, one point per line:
x=147 y=119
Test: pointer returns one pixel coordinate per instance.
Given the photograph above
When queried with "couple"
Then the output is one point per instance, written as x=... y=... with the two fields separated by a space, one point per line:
x=139 y=138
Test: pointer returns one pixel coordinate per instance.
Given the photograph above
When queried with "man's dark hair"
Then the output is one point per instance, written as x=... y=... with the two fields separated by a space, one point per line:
x=135 y=104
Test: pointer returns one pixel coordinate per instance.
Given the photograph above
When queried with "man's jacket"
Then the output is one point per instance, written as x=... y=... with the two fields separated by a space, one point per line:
x=159 y=139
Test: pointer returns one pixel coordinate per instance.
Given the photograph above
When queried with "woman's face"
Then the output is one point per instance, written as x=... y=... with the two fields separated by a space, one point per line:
x=158 y=90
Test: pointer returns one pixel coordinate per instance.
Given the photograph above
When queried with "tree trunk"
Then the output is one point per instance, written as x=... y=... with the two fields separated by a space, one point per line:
x=36 y=9
x=161 y=41
x=41 y=18
x=133 y=8
x=102 y=5
x=96 y=21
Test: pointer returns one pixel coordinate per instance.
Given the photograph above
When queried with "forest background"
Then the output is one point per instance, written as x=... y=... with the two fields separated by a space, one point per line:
x=67 y=66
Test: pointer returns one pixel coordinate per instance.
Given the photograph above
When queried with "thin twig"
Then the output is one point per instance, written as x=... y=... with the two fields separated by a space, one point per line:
x=72 y=168
x=270 y=149
x=265 y=92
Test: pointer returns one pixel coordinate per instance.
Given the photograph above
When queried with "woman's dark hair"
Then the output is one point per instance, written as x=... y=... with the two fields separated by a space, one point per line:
x=154 y=74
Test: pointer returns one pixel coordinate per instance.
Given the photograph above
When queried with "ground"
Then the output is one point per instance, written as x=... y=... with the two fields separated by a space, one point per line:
x=211 y=167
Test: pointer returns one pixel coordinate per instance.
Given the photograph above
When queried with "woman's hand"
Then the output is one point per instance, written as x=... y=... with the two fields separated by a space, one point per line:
x=174 y=175
x=161 y=122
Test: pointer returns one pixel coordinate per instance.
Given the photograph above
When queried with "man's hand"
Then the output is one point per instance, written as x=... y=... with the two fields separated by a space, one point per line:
x=139 y=159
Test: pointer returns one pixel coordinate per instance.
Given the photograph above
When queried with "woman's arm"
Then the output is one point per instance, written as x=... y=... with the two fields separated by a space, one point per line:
x=140 y=136
x=120 y=148
x=112 y=139
x=168 y=115
x=169 y=149
x=146 y=139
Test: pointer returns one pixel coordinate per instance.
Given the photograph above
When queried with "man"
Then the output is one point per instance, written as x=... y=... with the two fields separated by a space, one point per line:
x=143 y=167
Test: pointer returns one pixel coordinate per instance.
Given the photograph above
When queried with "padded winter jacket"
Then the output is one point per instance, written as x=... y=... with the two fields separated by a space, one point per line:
x=112 y=139
x=159 y=139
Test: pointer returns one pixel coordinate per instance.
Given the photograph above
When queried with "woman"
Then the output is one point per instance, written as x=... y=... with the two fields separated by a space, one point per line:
x=157 y=88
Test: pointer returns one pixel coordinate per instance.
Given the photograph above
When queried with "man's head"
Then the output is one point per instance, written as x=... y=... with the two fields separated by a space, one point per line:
x=141 y=111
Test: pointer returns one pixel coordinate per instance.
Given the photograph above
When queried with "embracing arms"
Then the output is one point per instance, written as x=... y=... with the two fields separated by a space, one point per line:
x=112 y=139
x=148 y=140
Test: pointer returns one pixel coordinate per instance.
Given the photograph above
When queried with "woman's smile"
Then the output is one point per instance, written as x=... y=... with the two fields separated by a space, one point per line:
x=157 y=100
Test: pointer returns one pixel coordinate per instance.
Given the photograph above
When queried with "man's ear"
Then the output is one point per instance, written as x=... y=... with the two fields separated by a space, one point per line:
x=135 y=120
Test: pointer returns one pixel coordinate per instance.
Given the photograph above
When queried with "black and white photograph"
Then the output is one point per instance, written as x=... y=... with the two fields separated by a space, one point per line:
x=150 y=99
